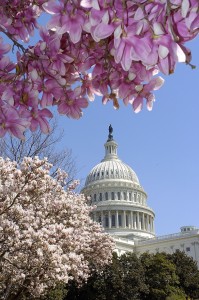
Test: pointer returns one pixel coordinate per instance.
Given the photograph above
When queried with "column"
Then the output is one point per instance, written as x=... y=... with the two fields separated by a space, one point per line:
x=139 y=223
x=117 y=223
x=109 y=219
x=142 y=224
x=131 y=219
x=124 y=219
x=135 y=220
x=147 y=222
x=152 y=223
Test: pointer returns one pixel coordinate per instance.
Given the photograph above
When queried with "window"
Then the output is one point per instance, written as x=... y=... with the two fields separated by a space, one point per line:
x=138 y=197
x=124 y=195
x=106 y=196
x=112 y=196
x=100 y=197
x=118 y=196
x=188 y=249
x=130 y=197
x=113 y=220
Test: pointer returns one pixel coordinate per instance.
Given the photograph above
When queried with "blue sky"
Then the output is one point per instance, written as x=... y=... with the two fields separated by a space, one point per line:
x=161 y=146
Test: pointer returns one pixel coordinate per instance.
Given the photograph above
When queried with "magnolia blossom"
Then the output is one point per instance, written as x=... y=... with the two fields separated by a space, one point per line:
x=112 y=49
x=46 y=233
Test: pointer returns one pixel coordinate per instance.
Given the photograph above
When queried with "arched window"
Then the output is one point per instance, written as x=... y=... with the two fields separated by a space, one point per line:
x=124 y=195
x=106 y=196
x=130 y=197
x=112 y=196
x=118 y=196
x=100 y=197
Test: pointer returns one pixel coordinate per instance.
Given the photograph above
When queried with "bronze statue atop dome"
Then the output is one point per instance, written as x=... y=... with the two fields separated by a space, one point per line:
x=110 y=136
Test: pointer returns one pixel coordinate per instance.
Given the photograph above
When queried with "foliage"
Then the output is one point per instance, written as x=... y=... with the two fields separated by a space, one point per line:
x=47 y=236
x=89 y=47
x=122 y=279
x=188 y=273
x=148 y=277
x=161 y=276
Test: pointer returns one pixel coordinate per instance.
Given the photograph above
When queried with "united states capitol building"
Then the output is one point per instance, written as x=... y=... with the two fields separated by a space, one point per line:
x=121 y=207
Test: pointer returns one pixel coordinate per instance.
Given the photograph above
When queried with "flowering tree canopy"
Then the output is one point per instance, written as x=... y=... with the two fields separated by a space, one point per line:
x=46 y=234
x=111 y=48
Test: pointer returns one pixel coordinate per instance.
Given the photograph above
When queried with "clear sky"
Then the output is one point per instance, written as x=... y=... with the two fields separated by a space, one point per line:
x=161 y=146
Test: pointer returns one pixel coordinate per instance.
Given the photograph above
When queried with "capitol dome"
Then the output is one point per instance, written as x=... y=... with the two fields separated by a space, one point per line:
x=112 y=169
x=120 y=201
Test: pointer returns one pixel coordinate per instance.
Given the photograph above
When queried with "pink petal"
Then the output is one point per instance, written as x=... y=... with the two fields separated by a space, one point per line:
x=46 y=113
x=51 y=7
x=44 y=125
x=119 y=52
x=75 y=32
x=126 y=58
x=82 y=102
x=138 y=104
x=103 y=31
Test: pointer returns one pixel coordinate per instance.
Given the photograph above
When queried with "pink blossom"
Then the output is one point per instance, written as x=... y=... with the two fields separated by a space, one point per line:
x=38 y=119
x=11 y=122
x=144 y=91
x=72 y=104
x=121 y=44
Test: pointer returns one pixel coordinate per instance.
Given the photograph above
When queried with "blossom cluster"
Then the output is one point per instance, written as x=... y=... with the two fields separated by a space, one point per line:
x=110 y=48
x=46 y=233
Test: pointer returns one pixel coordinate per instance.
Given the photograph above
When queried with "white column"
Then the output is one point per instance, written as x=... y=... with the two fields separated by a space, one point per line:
x=117 y=223
x=109 y=219
x=124 y=219
x=142 y=222
x=131 y=220
x=152 y=222
x=147 y=222
x=139 y=223
x=135 y=222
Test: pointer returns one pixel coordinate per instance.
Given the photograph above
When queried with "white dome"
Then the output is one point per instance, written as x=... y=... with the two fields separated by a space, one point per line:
x=112 y=169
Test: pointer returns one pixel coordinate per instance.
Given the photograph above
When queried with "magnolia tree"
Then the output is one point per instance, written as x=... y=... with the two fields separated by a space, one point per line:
x=46 y=234
x=111 y=48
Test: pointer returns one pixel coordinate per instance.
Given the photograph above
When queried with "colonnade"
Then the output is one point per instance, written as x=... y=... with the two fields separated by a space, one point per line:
x=133 y=196
x=125 y=219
